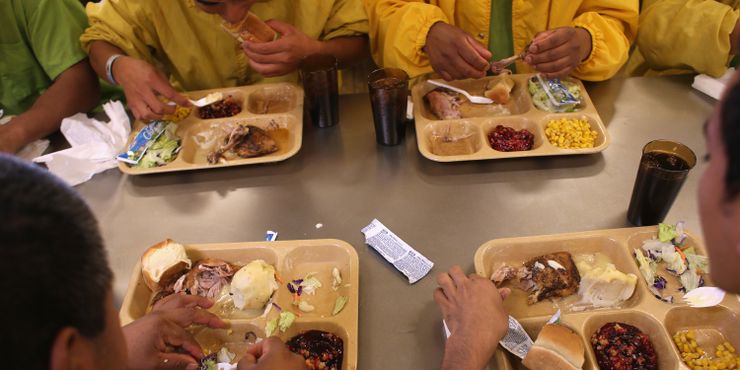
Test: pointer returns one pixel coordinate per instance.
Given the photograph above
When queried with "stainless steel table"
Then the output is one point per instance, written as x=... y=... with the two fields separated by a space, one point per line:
x=342 y=179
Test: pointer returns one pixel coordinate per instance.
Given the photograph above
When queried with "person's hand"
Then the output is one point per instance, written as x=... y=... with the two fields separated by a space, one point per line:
x=144 y=85
x=181 y=300
x=159 y=340
x=474 y=312
x=557 y=52
x=9 y=140
x=454 y=54
x=271 y=354
x=282 y=56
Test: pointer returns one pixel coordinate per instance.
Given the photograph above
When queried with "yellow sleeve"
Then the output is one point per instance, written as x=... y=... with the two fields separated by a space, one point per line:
x=347 y=18
x=122 y=23
x=613 y=26
x=398 y=32
x=685 y=34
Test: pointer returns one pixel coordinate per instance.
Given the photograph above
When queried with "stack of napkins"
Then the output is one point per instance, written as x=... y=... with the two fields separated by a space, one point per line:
x=713 y=86
x=94 y=145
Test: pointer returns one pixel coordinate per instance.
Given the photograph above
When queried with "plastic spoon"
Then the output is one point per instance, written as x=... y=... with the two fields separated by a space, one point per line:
x=704 y=297
x=472 y=98
x=207 y=100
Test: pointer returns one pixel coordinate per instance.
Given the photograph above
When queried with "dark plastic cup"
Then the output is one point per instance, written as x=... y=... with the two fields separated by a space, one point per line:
x=319 y=76
x=389 y=91
x=663 y=169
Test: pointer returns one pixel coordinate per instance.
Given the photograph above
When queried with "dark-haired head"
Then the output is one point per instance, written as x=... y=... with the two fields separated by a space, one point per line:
x=719 y=190
x=55 y=276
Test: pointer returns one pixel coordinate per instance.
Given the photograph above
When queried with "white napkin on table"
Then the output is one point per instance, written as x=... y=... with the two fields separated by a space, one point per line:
x=713 y=86
x=31 y=150
x=95 y=145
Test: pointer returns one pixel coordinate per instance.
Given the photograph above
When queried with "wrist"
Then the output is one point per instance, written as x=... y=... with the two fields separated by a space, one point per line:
x=117 y=70
x=435 y=26
x=13 y=136
x=466 y=352
x=586 y=43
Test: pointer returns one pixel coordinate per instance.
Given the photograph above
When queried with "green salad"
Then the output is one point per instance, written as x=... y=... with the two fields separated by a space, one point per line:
x=163 y=151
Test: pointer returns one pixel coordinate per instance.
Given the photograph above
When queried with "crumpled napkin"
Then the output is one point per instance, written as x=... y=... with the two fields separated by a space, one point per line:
x=713 y=86
x=95 y=145
x=33 y=149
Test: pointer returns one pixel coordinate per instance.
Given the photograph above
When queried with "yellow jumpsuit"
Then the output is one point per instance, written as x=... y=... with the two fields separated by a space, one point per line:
x=683 y=36
x=398 y=29
x=192 y=49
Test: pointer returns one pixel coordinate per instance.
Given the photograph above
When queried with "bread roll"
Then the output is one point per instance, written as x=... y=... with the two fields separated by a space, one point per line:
x=163 y=263
x=251 y=28
x=557 y=347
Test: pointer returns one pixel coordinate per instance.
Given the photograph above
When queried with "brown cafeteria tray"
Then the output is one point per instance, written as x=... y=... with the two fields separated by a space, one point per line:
x=292 y=260
x=523 y=114
x=287 y=115
x=659 y=320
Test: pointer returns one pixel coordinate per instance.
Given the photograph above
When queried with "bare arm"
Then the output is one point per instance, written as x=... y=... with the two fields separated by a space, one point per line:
x=735 y=39
x=141 y=82
x=348 y=50
x=75 y=90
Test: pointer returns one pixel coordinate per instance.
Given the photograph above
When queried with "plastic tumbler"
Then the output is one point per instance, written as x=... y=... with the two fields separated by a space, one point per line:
x=389 y=91
x=663 y=169
x=319 y=76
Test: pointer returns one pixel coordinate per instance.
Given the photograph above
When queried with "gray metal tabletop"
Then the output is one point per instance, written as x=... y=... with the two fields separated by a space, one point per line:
x=342 y=179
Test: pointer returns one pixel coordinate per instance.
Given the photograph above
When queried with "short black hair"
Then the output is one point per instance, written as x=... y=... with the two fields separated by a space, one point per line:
x=55 y=271
x=730 y=116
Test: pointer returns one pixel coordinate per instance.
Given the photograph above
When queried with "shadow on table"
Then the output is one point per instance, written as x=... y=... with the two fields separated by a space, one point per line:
x=603 y=95
x=509 y=170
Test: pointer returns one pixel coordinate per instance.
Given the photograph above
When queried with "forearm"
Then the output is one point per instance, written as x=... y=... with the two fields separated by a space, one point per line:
x=347 y=50
x=75 y=90
x=100 y=51
x=460 y=355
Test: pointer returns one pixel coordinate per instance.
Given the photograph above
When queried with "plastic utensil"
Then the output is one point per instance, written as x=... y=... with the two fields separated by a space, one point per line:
x=202 y=102
x=472 y=98
x=705 y=296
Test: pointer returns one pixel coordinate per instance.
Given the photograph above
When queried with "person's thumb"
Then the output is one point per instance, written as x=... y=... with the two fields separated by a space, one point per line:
x=177 y=361
x=504 y=292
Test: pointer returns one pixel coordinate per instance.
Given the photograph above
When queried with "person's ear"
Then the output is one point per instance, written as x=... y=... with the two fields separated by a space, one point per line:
x=72 y=351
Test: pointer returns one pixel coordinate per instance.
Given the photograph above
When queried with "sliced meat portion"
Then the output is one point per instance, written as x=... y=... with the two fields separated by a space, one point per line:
x=256 y=143
x=206 y=278
x=550 y=275
x=503 y=274
x=443 y=104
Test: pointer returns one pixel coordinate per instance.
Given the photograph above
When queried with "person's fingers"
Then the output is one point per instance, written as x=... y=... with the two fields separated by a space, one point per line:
x=480 y=49
x=549 y=55
x=163 y=87
x=155 y=105
x=185 y=317
x=504 y=293
x=457 y=275
x=281 y=27
x=247 y=362
x=539 y=39
x=471 y=57
x=268 y=70
x=176 y=361
x=256 y=349
x=276 y=58
x=266 y=48
x=445 y=282
x=442 y=301
x=181 y=300
x=563 y=64
x=176 y=336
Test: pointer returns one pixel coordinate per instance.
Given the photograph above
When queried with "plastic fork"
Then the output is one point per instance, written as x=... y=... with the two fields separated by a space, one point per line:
x=207 y=100
x=472 y=98
x=705 y=296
